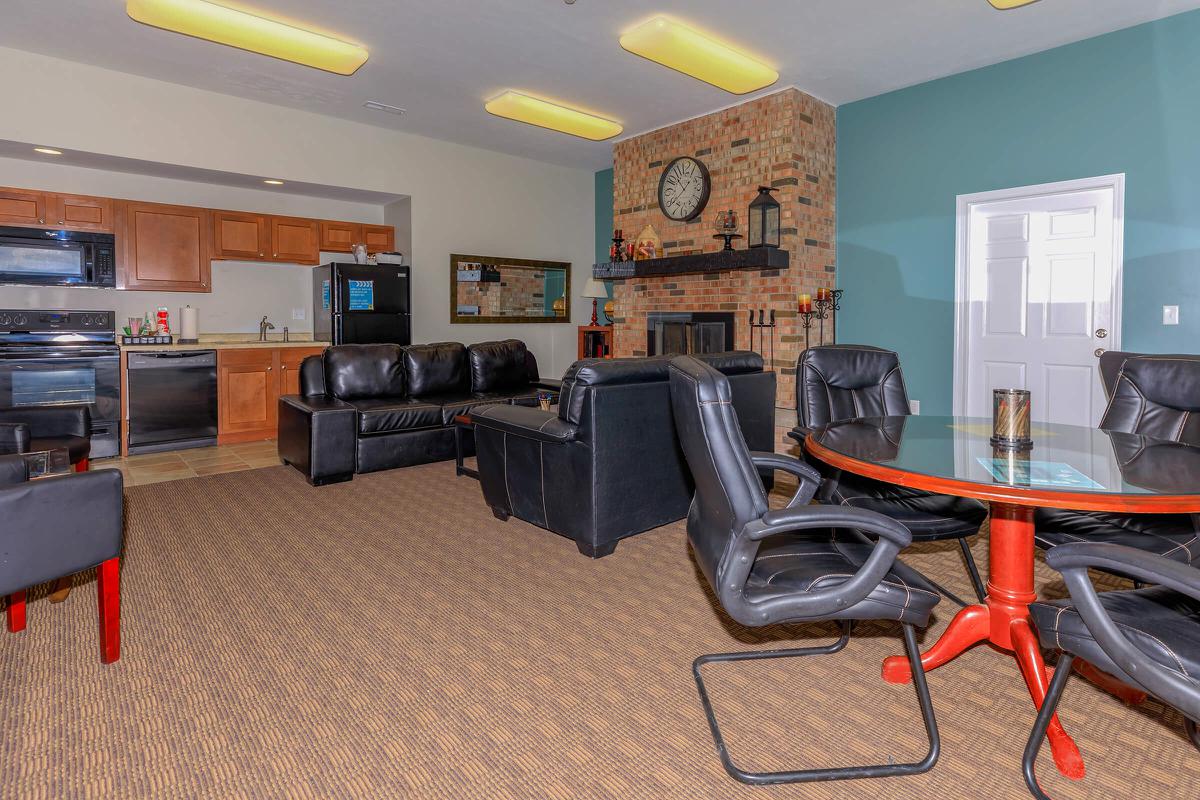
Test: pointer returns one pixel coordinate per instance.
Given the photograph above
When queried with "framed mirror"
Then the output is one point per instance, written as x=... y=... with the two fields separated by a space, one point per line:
x=489 y=289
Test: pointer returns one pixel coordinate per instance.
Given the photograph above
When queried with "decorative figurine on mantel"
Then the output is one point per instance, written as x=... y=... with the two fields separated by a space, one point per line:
x=649 y=244
x=727 y=223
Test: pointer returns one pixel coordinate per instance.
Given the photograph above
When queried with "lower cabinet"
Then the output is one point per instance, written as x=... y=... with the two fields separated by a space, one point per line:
x=249 y=384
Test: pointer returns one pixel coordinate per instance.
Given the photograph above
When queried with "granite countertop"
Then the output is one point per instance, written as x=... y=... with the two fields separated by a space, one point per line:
x=228 y=341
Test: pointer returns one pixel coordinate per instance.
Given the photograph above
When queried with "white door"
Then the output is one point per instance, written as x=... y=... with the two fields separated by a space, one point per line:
x=1039 y=275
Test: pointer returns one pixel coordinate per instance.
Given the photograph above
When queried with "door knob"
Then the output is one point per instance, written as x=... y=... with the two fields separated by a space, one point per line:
x=1101 y=333
x=1099 y=351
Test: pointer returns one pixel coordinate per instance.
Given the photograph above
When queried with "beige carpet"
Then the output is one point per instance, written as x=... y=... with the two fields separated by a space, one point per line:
x=388 y=638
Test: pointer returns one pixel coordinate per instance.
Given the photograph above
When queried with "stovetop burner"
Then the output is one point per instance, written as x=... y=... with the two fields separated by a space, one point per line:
x=25 y=328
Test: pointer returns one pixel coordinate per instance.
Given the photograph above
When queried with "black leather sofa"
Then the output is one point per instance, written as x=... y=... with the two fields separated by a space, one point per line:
x=607 y=464
x=367 y=407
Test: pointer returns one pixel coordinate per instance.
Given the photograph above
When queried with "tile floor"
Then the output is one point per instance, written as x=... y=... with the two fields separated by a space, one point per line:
x=177 y=464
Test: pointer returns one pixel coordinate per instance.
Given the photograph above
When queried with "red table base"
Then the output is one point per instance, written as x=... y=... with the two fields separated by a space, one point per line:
x=1004 y=623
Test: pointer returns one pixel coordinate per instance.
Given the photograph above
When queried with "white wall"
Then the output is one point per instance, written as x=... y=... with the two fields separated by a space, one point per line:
x=242 y=291
x=464 y=199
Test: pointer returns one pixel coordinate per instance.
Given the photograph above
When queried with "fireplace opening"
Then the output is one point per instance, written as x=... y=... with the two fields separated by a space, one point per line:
x=685 y=332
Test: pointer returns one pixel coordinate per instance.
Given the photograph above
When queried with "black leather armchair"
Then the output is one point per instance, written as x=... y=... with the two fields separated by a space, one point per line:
x=58 y=526
x=1157 y=397
x=25 y=429
x=763 y=572
x=1148 y=638
x=607 y=463
x=849 y=381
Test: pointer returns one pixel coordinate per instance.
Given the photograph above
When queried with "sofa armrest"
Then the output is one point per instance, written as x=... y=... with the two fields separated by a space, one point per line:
x=14 y=437
x=51 y=421
x=550 y=384
x=525 y=421
x=13 y=469
x=318 y=435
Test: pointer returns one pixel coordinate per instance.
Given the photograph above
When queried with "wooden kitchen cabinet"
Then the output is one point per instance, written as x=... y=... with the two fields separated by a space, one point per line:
x=340 y=237
x=239 y=235
x=77 y=212
x=295 y=240
x=23 y=207
x=250 y=382
x=379 y=238
x=164 y=247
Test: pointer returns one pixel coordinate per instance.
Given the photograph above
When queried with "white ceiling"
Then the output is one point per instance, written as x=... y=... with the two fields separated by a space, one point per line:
x=440 y=59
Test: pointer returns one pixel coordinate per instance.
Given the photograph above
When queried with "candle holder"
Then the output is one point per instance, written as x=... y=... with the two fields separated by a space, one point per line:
x=806 y=318
x=1010 y=419
x=822 y=307
x=728 y=237
x=836 y=306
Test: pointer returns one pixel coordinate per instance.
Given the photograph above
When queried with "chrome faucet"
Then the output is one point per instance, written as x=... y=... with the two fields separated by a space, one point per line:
x=263 y=327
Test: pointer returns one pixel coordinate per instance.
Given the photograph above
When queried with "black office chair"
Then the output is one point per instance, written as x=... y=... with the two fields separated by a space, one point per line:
x=1149 y=638
x=1154 y=396
x=848 y=381
x=803 y=563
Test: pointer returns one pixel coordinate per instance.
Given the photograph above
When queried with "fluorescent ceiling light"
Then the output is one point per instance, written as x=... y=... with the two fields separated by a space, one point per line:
x=523 y=108
x=375 y=105
x=273 y=182
x=679 y=47
x=1003 y=5
x=50 y=151
x=235 y=28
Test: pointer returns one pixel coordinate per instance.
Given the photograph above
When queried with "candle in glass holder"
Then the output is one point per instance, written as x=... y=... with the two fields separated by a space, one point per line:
x=823 y=294
x=805 y=303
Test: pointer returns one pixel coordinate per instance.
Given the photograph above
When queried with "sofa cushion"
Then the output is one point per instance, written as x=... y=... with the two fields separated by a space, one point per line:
x=391 y=414
x=356 y=371
x=497 y=366
x=439 y=368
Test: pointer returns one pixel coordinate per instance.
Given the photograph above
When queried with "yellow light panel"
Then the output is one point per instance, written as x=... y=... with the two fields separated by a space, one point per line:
x=1004 y=5
x=679 y=47
x=239 y=29
x=523 y=108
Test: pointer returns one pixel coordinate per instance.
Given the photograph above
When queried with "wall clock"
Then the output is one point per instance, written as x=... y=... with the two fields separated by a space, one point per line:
x=683 y=189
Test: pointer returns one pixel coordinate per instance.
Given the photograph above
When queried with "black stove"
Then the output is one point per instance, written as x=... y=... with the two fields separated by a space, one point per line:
x=55 y=357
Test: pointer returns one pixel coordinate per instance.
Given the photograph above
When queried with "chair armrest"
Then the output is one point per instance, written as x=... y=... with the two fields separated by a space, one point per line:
x=800 y=433
x=1073 y=560
x=525 y=421
x=13 y=469
x=15 y=436
x=892 y=537
x=316 y=403
x=549 y=384
x=51 y=421
x=810 y=479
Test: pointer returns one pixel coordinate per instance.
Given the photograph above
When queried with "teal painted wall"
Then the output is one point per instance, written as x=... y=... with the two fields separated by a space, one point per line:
x=1124 y=102
x=604 y=222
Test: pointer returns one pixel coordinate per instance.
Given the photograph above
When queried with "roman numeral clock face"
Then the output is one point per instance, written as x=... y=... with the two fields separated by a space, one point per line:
x=683 y=189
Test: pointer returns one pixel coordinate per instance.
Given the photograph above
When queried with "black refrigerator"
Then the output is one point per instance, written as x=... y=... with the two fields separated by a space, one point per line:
x=362 y=304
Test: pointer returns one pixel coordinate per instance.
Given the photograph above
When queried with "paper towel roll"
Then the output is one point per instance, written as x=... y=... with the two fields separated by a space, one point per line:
x=187 y=324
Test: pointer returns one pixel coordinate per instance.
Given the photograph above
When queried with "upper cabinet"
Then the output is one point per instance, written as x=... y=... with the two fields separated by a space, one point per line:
x=70 y=211
x=23 y=207
x=340 y=237
x=238 y=235
x=295 y=240
x=379 y=238
x=164 y=247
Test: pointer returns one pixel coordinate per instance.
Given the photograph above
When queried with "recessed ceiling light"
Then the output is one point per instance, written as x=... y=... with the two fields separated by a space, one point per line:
x=223 y=25
x=50 y=151
x=523 y=108
x=273 y=182
x=679 y=47
x=1004 y=5
x=375 y=105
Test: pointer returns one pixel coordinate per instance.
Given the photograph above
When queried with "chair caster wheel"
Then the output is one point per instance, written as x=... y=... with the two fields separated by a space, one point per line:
x=500 y=514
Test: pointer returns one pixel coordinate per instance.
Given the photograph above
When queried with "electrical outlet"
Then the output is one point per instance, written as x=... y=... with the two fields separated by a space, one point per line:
x=915 y=407
x=1170 y=315
x=297 y=313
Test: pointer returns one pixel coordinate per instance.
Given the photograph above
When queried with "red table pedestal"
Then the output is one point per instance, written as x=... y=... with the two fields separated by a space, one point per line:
x=1004 y=623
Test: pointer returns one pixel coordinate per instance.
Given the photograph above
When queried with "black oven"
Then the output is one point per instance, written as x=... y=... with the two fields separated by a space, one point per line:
x=64 y=358
x=41 y=257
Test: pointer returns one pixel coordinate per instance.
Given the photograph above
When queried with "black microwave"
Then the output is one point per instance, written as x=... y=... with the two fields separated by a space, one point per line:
x=41 y=257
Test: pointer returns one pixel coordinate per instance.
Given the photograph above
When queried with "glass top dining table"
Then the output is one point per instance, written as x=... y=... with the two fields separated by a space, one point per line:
x=1068 y=466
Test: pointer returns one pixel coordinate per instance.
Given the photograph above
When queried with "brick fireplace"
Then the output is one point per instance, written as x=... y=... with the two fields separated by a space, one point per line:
x=785 y=140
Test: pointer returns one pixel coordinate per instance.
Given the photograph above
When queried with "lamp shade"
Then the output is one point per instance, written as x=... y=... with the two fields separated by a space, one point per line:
x=595 y=288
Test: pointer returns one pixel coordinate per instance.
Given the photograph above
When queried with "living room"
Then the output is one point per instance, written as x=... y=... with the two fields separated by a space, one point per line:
x=791 y=352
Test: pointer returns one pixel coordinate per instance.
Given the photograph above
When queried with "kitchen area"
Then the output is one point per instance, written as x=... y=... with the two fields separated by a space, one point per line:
x=166 y=385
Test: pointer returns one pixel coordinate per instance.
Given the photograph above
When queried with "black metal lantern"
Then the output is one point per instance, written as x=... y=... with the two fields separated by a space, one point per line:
x=763 y=220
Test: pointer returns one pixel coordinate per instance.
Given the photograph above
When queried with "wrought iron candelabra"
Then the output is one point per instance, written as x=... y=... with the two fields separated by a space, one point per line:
x=822 y=309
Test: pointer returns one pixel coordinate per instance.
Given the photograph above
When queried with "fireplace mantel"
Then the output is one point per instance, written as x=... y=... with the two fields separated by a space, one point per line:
x=720 y=261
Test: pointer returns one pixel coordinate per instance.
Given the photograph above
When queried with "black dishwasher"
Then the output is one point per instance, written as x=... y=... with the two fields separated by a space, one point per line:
x=172 y=400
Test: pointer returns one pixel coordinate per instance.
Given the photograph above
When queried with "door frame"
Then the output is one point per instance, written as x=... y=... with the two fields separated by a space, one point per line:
x=962 y=250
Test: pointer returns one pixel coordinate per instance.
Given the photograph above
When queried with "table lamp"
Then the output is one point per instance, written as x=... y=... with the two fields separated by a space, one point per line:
x=595 y=289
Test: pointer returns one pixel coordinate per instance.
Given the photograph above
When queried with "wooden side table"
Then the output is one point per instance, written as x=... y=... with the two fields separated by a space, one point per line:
x=595 y=341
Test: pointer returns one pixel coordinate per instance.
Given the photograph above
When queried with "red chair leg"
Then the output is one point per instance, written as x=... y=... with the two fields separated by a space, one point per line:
x=108 y=595
x=16 y=612
x=82 y=465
